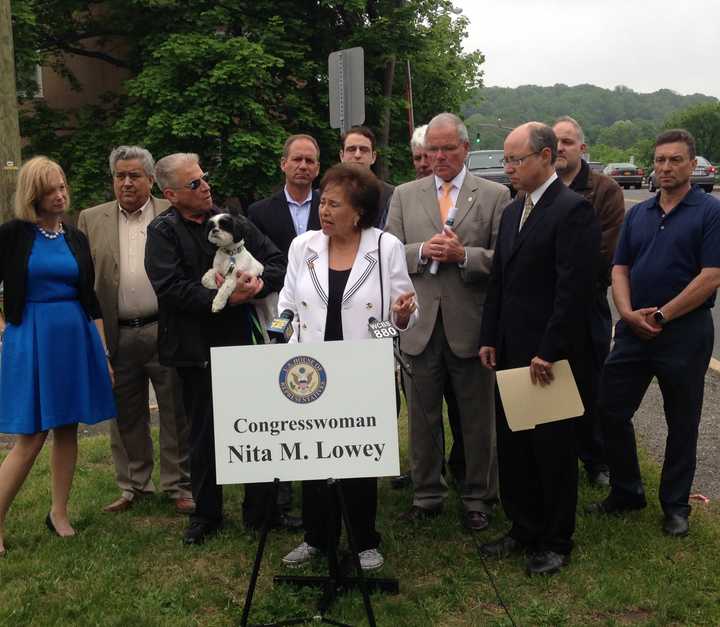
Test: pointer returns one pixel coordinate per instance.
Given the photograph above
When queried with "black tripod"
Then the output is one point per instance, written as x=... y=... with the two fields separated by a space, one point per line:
x=331 y=584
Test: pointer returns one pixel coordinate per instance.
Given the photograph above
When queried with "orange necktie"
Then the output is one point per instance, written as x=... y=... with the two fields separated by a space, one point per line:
x=445 y=201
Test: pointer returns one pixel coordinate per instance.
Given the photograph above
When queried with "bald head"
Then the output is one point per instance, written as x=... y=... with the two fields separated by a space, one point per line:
x=530 y=152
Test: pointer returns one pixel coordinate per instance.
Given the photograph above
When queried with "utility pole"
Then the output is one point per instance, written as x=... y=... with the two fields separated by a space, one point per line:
x=9 y=123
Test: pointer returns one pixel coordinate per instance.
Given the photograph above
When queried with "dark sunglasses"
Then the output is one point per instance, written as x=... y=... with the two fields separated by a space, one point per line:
x=195 y=183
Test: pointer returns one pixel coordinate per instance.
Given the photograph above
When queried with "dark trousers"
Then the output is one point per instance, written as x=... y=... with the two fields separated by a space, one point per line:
x=208 y=495
x=321 y=508
x=587 y=371
x=538 y=482
x=679 y=358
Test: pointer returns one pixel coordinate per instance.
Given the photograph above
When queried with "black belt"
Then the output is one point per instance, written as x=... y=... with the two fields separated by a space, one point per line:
x=136 y=323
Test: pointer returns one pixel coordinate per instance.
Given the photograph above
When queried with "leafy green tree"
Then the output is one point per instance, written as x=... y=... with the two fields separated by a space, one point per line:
x=230 y=80
x=703 y=121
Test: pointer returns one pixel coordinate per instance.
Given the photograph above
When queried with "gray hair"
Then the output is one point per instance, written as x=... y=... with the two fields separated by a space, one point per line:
x=575 y=124
x=166 y=167
x=452 y=119
x=128 y=153
x=542 y=136
x=417 y=141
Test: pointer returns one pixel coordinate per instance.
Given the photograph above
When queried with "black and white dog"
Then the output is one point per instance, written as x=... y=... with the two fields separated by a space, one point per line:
x=228 y=234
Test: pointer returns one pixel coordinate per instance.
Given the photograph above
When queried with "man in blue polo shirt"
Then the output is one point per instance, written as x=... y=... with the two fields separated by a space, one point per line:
x=665 y=275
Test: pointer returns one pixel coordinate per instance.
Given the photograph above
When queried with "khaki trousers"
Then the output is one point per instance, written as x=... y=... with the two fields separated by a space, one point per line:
x=474 y=389
x=136 y=364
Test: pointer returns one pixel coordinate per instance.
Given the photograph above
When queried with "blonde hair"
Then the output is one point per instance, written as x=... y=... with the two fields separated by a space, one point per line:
x=33 y=183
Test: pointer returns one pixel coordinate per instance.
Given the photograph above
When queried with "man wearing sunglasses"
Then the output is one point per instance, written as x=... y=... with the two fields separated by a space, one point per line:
x=177 y=255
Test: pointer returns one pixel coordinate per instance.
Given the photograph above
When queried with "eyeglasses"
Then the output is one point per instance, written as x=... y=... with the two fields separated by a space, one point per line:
x=516 y=162
x=353 y=149
x=195 y=183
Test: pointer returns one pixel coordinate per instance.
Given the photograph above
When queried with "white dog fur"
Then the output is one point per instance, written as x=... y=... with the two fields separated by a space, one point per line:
x=231 y=257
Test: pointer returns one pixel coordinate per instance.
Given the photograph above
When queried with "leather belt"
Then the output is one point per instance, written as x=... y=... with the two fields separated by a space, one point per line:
x=136 y=323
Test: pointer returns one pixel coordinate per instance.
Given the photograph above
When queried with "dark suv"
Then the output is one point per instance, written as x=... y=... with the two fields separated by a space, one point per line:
x=487 y=164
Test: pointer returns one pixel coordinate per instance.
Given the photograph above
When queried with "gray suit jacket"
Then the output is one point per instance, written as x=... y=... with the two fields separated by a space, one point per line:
x=100 y=225
x=414 y=218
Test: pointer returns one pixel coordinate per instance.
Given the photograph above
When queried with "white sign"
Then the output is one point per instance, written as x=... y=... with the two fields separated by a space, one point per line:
x=305 y=411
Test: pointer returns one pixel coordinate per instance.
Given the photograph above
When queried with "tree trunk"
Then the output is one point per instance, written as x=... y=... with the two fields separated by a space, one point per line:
x=384 y=135
x=9 y=124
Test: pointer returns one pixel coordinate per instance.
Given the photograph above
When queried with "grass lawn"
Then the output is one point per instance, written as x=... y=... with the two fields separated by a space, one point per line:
x=131 y=569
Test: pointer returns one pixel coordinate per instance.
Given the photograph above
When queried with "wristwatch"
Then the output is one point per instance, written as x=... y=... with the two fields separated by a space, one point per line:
x=659 y=318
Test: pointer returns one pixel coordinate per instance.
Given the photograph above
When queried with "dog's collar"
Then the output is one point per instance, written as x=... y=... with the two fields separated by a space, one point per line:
x=235 y=250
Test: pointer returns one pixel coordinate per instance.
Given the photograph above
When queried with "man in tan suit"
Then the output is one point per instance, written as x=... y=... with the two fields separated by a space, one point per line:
x=445 y=342
x=117 y=233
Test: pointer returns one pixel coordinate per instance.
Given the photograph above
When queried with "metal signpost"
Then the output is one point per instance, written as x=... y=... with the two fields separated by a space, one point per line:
x=346 y=80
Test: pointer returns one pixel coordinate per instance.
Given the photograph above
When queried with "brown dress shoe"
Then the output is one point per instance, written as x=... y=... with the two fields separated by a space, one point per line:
x=121 y=505
x=184 y=505
x=416 y=513
x=477 y=521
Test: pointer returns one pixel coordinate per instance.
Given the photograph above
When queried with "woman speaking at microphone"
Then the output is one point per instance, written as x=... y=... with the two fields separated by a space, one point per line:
x=337 y=279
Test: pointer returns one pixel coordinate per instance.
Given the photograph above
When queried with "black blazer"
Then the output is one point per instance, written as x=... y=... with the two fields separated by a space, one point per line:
x=16 y=242
x=272 y=216
x=541 y=285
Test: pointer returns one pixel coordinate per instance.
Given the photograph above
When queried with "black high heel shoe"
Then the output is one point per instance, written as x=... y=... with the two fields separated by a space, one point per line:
x=49 y=524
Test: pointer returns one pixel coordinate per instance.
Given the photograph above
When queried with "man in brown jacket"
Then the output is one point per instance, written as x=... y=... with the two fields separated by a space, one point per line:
x=607 y=199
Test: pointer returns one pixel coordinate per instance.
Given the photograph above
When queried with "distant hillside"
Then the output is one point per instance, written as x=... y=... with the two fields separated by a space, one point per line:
x=594 y=107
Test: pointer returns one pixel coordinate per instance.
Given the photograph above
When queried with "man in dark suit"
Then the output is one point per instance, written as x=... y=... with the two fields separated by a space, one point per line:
x=282 y=217
x=538 y=301
x=358 y=147
x=293 y=210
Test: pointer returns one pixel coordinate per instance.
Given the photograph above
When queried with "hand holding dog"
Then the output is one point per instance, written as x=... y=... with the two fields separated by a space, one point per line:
x=247 y=288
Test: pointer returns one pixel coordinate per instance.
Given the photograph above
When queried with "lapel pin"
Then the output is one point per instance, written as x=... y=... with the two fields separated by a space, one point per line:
x=369 y=306
x=470 y=199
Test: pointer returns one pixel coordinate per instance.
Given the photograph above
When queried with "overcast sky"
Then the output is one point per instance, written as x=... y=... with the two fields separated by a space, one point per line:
x=644 y=44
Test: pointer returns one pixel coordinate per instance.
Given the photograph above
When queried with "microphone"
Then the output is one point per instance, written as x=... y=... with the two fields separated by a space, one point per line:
x=384 y=329
x=449 y=221
x=280 y=329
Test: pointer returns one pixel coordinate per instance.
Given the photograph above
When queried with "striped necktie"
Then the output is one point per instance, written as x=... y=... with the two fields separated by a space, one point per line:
x=527 y=209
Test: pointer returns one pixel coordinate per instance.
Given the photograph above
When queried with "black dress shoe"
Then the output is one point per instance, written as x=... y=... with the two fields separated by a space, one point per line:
x=504 y=546
x=400 y=482
x=676 y=525
x=419 y=513
x=546 y=563
x=198 y=532
x=612 y=505
x=477 y=521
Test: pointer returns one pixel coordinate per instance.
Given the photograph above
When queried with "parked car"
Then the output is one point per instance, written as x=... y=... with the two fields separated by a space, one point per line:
x=596 y=166
x=626 y=175
x=487 y=164
x=703 y=175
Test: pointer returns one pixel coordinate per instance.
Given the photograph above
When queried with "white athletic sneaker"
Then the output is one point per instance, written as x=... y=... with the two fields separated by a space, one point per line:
x=371 y=559
x=300 y=555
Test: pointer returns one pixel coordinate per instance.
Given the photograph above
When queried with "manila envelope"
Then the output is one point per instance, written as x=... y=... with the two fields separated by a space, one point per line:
x=527 y=405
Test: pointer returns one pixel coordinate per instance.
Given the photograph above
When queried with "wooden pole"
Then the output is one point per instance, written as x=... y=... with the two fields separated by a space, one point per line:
x=9 y=123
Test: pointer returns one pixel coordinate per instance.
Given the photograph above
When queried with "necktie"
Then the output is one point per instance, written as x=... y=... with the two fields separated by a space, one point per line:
x=445 y=201
x=527 y=208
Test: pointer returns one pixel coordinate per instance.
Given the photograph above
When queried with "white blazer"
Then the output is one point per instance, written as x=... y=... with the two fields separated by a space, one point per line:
x=305 y=292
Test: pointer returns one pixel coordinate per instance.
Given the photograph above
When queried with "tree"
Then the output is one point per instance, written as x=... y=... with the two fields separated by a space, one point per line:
x=230 y=80
x=703 y=121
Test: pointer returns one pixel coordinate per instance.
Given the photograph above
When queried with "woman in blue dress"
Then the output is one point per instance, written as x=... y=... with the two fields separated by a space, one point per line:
x=54 y=371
